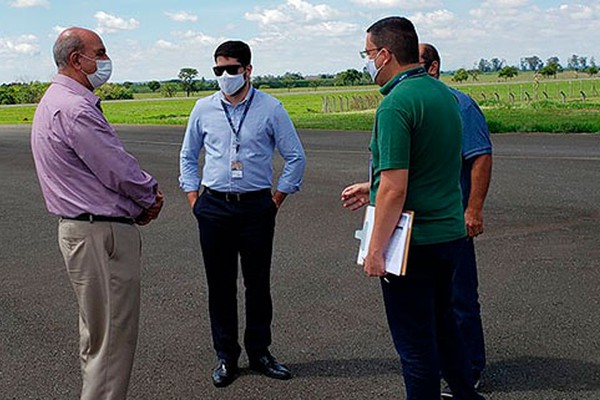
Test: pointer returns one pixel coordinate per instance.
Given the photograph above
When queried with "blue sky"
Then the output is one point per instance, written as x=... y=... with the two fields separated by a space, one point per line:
x=154 y=39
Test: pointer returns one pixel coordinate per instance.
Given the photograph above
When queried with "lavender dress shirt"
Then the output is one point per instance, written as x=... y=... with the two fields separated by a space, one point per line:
x=81 y=164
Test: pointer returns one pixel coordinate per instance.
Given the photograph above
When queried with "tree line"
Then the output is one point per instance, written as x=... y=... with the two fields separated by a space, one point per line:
x=188 y=82
x=550 y=68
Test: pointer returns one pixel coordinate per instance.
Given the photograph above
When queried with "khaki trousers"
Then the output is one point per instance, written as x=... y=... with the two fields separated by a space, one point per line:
x=103 y=260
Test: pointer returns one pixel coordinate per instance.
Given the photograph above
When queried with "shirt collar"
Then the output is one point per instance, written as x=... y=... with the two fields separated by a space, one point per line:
x=387 y=88
x=224 y=100
x=76 y=87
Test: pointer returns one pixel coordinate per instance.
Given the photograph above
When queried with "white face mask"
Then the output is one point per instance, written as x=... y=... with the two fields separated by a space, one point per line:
x=230 y=84
x=102 y=74
x=371 y=68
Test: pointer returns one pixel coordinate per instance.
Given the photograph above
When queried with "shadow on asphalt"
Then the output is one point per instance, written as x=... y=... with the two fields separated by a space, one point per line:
x=540 y=373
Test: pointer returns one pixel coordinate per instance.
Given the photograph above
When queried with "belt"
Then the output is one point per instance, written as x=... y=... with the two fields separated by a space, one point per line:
x=238 y=197
x=91 y=218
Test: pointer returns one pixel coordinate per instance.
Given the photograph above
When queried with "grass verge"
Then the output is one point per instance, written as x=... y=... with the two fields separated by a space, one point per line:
x=305 y=111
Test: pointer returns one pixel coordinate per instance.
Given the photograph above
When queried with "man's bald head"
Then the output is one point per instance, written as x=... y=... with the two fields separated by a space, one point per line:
x=69 y=41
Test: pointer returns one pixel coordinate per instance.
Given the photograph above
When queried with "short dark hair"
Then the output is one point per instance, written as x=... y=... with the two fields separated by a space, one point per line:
x=234 y=49
x=398 y=35
x=429 y=55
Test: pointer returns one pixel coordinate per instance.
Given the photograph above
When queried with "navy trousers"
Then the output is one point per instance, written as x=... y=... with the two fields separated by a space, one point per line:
x=465 y=301
x=232 y=230
x=423 y=325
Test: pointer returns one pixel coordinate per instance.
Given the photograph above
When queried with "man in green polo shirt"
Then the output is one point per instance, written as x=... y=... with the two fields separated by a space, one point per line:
x=416 y=162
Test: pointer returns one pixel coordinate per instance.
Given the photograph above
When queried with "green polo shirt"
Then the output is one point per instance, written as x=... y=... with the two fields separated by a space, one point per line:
x=418 y=128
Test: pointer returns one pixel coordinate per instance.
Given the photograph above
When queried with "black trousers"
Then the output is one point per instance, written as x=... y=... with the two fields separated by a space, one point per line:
x=232 y=230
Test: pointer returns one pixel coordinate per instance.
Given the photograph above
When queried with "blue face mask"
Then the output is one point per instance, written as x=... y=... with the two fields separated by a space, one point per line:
x=371 y=68
x=102 y=73
x=230 y=84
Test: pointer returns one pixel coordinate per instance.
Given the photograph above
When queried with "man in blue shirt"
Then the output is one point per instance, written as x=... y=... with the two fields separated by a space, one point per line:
x=475 y=180
x=239 y=127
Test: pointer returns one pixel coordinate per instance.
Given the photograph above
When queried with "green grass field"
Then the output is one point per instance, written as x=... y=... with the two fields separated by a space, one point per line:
x=519 y=105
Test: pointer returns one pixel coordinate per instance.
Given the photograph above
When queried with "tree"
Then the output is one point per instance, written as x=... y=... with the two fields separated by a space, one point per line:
x=508 y=72
x=460 y=75
x=496 y=64
x=169 y=89
x=550 y=70
x=187 y=76
x=484 y=65
x=573 y=62
x=154 y=85
x=113 y=91
x=474 y=74
x=533 y=63
x=349 y=77
x=591 y=71
x=553 y=60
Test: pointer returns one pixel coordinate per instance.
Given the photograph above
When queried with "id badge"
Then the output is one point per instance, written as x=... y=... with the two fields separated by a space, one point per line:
x=237 y=169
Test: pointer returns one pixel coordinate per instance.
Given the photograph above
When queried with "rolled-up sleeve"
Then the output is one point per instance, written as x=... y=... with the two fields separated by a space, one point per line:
x=289 y=146
x=189 y=181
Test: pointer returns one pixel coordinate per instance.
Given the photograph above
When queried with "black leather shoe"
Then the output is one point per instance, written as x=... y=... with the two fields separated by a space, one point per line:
x=224 y=373
x=268 y=366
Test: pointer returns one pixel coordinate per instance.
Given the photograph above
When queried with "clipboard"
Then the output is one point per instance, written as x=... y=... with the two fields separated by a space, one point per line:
x=396 y=254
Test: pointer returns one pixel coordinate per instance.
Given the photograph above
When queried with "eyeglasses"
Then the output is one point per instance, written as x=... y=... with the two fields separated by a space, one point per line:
x=231 y=69
x=365 y=53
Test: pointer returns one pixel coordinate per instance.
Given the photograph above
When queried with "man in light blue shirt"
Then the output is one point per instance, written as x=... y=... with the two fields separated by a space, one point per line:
x=239 y=127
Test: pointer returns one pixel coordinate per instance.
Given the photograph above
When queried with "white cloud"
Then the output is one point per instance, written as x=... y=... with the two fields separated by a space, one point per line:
x=24 y=45
x=57 y=29
x=578 y=11
x=166 y=45
x=268 y=17
x=29 y=3
x=197 y=38
x=332 y=28
x=291 y=11
x=106 y=23
x=310 y=12
x=505 y=3
x=181 y=16
x=402 y=4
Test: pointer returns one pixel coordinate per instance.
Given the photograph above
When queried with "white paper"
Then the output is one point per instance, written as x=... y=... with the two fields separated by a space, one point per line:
x=396 y=250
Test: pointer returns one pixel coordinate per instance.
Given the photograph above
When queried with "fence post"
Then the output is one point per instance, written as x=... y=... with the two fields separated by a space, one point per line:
x=528 y=97
x=582 y=95
x=483 y=95
x=564 y=97
x=497 y=96
x=512 y=97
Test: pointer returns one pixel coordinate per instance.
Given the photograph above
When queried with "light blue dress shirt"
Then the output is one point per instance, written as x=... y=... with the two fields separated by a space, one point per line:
x=266 y=126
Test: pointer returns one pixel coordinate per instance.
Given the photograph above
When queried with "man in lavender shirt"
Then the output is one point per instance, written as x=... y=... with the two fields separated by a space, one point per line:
x=99 y=192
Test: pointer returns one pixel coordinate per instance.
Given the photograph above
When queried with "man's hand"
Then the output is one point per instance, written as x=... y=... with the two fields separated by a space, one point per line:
x=355 y=196
x=474 y=221
x=192 y=197
x=374 y=264
x=151 y=213
x=278 y=198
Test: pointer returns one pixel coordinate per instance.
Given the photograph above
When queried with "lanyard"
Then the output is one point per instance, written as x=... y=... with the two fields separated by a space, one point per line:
x=236 y=132
x=407 y=75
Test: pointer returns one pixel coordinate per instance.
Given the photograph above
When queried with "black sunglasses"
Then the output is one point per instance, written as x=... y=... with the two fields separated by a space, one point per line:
x=231 y=69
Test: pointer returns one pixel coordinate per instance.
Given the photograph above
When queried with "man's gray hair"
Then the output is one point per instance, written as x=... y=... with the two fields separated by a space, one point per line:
x=66 y=43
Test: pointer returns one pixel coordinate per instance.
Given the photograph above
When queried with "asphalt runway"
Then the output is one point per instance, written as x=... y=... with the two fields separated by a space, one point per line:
x=539 y=277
